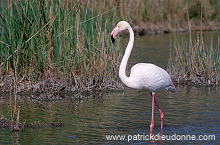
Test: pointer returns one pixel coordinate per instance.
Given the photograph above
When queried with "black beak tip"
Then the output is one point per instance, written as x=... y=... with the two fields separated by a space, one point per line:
x=113 y=39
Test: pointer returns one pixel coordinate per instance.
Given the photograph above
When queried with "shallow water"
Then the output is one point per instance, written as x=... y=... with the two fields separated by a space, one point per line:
x=191 y=111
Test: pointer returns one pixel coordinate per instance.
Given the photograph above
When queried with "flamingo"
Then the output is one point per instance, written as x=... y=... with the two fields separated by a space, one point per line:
x=143 y=75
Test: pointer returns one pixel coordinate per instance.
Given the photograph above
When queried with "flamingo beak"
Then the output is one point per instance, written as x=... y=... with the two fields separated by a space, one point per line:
x=171 y=88
x=114 y=34
x=113 y=39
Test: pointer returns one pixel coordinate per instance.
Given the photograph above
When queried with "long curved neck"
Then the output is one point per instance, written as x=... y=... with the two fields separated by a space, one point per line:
x=122 y=68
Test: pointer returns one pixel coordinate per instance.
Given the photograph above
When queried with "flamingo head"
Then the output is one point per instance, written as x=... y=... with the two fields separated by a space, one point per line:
x=122 y=25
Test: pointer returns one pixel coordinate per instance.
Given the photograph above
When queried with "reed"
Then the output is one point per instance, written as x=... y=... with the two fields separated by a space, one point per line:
x=59 y=41
x=195 y=62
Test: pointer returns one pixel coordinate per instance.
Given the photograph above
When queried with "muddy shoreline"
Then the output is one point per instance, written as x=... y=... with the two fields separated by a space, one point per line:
x=51 y=87
x=149 y=28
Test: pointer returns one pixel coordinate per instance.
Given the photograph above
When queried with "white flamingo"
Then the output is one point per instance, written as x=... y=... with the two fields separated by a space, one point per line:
x=143 y=75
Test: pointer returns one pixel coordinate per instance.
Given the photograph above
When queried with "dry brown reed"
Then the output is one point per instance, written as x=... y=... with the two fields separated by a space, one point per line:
x=195 y=62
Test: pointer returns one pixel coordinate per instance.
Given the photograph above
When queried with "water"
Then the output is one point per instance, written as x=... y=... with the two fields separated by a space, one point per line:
x=191 y=111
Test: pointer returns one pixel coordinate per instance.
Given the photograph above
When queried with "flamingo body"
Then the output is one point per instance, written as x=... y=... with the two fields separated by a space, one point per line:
x=143 y=75
x=149 y=76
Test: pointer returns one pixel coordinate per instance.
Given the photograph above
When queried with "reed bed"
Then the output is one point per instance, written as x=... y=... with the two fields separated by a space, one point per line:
x=52 y=45
x=195 y=62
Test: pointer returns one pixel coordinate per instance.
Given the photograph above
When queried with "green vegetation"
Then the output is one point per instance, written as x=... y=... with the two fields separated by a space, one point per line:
x=65 y=44
x=59 y=40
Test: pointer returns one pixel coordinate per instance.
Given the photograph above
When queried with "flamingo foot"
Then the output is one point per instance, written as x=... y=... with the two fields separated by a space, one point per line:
x=161 y=115
x=161 y=119
x=151 y=127
x=152 y=115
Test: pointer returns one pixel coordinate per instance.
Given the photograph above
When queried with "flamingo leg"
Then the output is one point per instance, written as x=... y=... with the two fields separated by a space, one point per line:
x=161 y=114
x=152 y=117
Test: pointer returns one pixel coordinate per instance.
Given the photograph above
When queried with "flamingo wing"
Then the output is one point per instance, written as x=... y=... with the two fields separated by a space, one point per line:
x=149 y=77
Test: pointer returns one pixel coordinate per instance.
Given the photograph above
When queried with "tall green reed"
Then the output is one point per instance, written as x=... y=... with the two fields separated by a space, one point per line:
x=43 y=39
